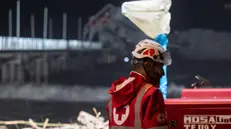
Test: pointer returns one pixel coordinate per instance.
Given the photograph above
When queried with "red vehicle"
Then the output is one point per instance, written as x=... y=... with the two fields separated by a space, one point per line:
x=203 y=108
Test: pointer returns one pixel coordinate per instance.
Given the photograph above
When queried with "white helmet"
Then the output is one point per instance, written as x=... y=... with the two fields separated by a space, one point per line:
x=153 y=50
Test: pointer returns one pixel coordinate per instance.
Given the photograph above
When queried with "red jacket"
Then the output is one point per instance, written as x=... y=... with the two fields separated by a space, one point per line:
x=136 y=104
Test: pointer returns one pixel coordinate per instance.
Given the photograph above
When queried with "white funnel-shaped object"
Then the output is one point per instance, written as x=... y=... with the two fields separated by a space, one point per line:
x=151 y=16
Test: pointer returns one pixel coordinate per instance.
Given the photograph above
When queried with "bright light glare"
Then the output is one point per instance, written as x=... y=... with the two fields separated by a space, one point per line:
x=126 y=59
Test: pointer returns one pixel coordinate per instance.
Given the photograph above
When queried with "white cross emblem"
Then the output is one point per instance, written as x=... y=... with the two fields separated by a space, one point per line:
x=120 y=118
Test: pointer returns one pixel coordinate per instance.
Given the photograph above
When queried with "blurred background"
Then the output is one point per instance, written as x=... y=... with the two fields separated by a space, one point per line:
x=58 y=57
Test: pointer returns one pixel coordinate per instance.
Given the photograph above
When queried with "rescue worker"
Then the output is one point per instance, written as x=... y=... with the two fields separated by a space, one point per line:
x=136 y=102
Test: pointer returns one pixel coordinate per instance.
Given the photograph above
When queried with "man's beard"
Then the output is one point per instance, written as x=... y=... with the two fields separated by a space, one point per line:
x=154 y=79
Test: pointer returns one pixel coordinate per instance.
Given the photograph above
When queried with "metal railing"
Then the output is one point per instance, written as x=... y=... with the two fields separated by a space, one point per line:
x=14 y=43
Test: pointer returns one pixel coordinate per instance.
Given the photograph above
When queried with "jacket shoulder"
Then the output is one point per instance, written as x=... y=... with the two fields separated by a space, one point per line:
x=152 y=94
x=152 y=90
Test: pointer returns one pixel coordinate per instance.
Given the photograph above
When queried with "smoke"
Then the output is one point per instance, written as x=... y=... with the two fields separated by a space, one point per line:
x=174 y=91
x=54 y=92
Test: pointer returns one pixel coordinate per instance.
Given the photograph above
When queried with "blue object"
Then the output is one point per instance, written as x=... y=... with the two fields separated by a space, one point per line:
x=162 y=39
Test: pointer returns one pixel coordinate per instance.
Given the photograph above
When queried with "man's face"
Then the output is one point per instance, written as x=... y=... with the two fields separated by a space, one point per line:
x=160 y=67
x=158 y=70
x=154 y=71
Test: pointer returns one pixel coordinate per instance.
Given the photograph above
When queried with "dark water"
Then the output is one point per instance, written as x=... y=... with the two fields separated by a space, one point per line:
x=39 y=110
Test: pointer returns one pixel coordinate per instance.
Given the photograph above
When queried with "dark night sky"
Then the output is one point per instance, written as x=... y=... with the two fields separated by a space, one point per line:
x=185 y=14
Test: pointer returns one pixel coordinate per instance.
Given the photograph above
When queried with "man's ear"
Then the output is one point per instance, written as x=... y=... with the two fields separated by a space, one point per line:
x=146 y=65
x=149 y=64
